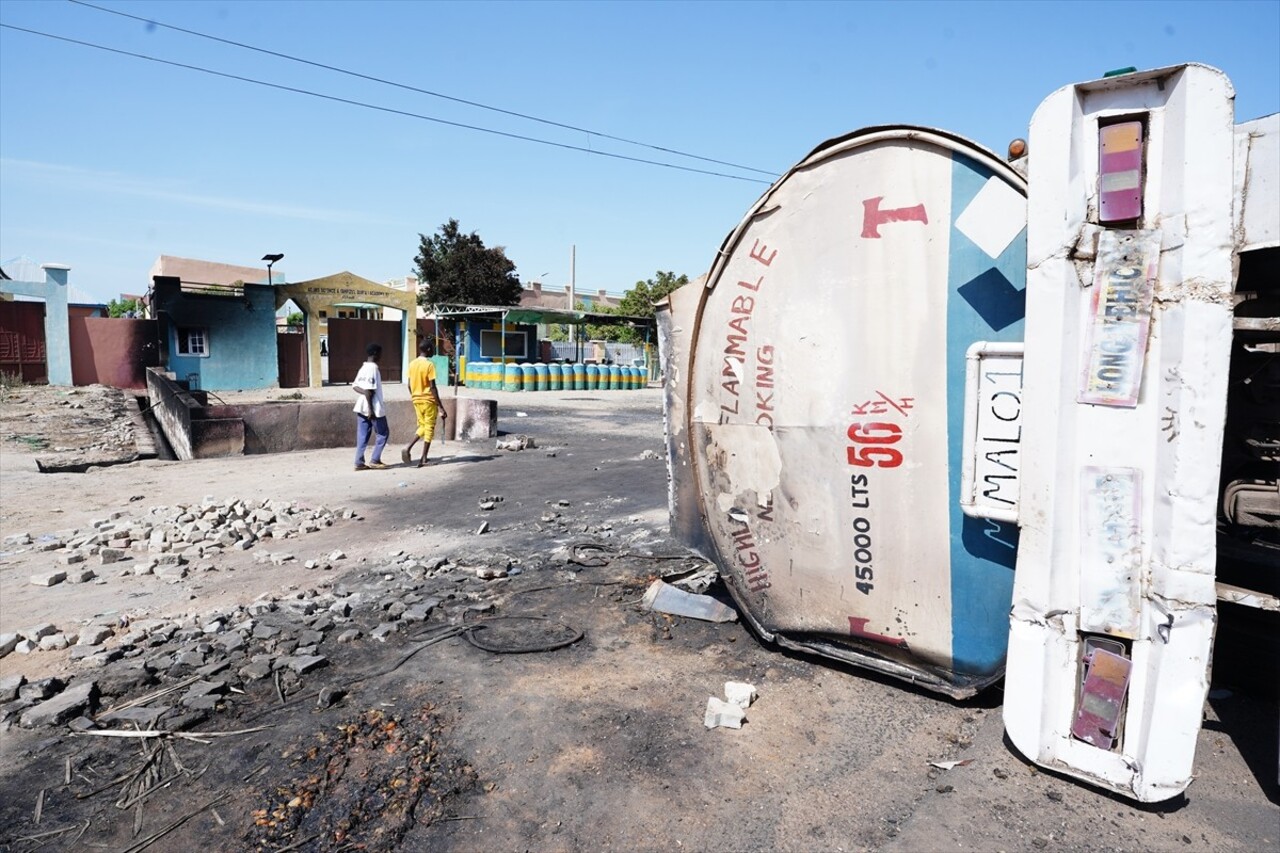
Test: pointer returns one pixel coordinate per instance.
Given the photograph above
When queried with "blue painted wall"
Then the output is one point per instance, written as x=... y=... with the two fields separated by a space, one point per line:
x=240 y=336
x=470 y=345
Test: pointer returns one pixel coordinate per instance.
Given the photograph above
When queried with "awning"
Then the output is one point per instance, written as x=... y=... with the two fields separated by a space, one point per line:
x=534 y=316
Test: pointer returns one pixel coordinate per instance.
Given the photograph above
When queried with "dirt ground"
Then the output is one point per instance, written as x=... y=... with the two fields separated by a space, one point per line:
x=426 y=742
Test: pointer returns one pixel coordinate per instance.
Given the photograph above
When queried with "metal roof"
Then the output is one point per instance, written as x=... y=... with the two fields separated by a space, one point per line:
x=518 y=314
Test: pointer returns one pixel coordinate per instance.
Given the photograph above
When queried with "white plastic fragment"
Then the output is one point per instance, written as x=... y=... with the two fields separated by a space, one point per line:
x=665 y=598
x=740 y=693
x=722 y=714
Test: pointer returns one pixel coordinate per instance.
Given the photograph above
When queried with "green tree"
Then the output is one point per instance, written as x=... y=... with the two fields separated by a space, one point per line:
x=639 y=301
x=295 y=318
x=120 y=307
x=458 y=268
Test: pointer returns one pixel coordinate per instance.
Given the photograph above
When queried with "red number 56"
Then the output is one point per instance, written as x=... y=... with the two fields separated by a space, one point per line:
x=874 y=434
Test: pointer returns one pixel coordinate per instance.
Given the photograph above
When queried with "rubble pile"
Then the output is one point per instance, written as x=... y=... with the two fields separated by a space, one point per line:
x=203 y=663
x=172 y=538
x=85 y=419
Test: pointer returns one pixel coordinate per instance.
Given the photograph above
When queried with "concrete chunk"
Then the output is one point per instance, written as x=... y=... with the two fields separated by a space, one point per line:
x=54 y=642
x=305 y=663
x=49 y=578
x=67 y=705
x=724 y=714
x=9 y=686
x=35 y=632
x=95 y=635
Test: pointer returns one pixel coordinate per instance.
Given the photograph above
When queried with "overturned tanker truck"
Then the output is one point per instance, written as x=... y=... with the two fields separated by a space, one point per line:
x=943 y=423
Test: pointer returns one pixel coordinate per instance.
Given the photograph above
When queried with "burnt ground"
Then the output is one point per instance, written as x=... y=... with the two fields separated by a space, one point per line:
x=425 y=741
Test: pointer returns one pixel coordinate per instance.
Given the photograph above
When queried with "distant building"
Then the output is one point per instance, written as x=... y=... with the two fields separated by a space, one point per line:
x=534 y=295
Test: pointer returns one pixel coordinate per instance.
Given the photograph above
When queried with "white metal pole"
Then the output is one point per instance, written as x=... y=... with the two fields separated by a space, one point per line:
x=573 y=327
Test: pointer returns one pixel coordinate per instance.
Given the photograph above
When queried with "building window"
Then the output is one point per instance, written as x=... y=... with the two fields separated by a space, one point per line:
x=491 y=344
x=193 y=341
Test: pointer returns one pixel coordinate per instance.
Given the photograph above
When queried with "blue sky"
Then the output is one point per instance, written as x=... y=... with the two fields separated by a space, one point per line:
x=108 y=161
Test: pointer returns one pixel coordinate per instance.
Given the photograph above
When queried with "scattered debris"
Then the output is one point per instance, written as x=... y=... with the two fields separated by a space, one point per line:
x=662 y=597
x=722 y=714
x=516 y=442
x=950 y=765
x=740 y=693
x=694 y=580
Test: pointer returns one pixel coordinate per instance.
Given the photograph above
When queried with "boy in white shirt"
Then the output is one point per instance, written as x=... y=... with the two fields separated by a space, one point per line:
x=371 y=412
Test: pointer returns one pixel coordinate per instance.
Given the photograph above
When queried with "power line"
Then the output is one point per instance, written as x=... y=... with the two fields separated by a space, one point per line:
x=409 y=88
x=378 y=108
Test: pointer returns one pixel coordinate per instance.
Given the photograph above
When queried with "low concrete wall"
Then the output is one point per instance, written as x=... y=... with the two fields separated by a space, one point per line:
x=280 y=427
x=192 y=431
x=196 y=431
x=172 y=407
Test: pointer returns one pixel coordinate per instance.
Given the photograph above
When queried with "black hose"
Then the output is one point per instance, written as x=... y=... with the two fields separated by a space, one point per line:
x=547 y=646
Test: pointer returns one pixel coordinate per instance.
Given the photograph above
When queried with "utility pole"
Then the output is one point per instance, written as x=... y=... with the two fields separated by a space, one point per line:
x=573 y=260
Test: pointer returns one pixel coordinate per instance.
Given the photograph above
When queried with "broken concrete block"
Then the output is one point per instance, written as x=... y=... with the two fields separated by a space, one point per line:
x=40 y=689
x=101 y=658
x=49 y=578
x=724 y=714
x=81 y=575
x=256 y=670
x=70 y=559
x=349 y=635
x=740 y=693
x=67 y=705
x=95 y=635
x=144 y=568
x=231 y=642
x=171 y=572
x=310 y=638
x=207 y=688
x=9 y=686
x=383 y=631
x=112 y=555
x=201 y=703
x=54 y=642
x=35 y=632
x=265 y=632
x=305 y=663
x=25 y=647
x=7 y=643
x=329 y=696
x=416 y=613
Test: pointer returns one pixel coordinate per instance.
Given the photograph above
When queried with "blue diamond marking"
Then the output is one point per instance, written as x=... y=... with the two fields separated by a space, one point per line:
x=995 y=299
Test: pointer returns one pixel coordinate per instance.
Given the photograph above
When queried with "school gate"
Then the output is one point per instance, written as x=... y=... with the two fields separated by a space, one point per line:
x=348 y=339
